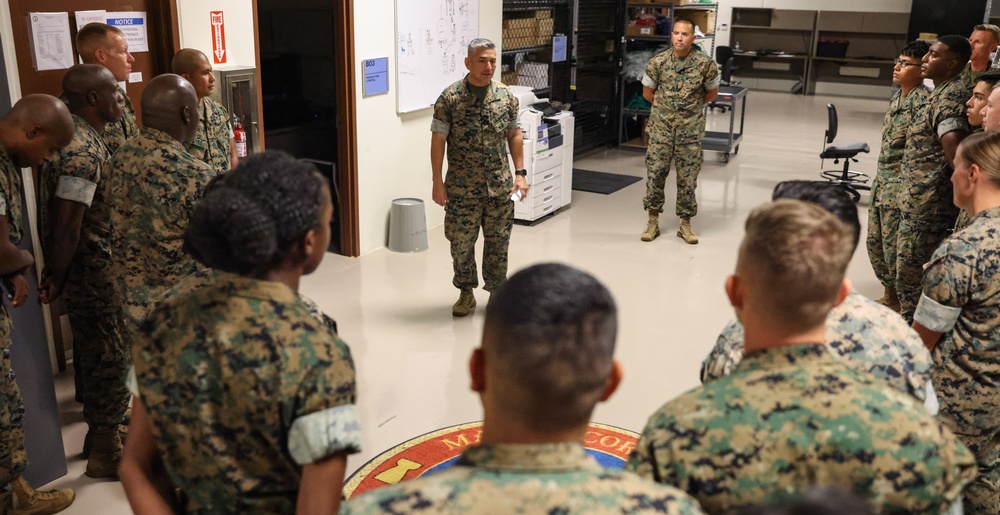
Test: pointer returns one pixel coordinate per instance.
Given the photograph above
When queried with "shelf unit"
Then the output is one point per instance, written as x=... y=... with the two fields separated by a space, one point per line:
x=874 y=40
x=772 y=47
x=632 y=120
x=526 y=46
x=778 y=50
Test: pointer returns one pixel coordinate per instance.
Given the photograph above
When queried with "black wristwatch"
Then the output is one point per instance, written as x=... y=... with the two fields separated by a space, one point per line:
x=522 y=172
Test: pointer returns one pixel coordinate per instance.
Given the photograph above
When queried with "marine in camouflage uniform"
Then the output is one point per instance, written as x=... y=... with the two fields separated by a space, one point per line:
x=101 y=353
x=13 y=457
x=511 y=478
x=969 y=77
x=154 y=184
x=289 y=383
x=676 y=125
x=870 y=338
x=883 y=215
x=961 y=298
x=478 y=181
x=211 y=142
x=116 y=133
x=789 y=418
x=927 y=212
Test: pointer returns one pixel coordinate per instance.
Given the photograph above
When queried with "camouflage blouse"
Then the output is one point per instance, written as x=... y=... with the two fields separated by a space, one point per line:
x=244 y=386
x=869 y=337
x=961 y=298
x=793 y=417
x=211 y=142
x=508 y=478
x=476 y=132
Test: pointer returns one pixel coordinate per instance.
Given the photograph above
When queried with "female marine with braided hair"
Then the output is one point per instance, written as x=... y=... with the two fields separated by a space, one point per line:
x=245 y=399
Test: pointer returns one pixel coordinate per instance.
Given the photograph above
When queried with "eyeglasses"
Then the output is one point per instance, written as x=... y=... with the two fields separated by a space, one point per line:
x=904 y=64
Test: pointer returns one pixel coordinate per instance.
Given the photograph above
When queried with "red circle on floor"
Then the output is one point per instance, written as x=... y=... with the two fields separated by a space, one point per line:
x=440 y=449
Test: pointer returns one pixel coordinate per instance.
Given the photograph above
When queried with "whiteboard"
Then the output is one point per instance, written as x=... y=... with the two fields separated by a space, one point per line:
x=432 y=40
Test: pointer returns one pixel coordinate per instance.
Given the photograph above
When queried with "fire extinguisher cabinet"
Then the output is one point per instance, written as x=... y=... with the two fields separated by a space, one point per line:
x=236 y=89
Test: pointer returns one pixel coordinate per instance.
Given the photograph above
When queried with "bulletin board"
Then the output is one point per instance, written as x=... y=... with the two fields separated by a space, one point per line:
x=432 y=39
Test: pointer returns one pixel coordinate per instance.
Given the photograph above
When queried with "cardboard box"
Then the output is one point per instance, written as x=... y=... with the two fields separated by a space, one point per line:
x=640 y=30
x=509 y=78
x=519 y=33
x=544 y=35
x=705 y=20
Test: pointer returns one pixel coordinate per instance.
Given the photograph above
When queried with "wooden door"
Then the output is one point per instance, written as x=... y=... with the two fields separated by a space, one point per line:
x=162 y=34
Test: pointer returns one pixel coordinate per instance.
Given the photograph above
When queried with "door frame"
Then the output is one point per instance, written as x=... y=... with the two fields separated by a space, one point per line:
x=346 y=97
x=347 y=144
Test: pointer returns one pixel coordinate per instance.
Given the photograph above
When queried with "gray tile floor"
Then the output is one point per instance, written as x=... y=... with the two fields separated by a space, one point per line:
x=394 y=309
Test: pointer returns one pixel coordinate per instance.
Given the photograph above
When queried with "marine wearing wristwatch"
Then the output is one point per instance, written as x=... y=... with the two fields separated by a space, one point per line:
x=522 y=172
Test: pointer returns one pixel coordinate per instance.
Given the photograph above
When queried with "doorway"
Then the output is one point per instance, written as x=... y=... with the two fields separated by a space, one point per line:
x=306 y=85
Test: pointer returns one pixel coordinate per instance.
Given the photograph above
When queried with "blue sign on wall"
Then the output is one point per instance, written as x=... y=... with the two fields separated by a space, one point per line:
x=376 y=76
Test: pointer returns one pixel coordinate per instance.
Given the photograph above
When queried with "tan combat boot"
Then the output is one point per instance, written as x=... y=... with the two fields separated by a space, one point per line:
x=122 y=434
x=686 y=233
x=890 y=299
x=465 y=305
x=652 y=227
x=105 y=453
x=28 y=501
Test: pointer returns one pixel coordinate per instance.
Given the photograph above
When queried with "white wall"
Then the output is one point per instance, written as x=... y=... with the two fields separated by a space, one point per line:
x=394 y=150
x=196 y=29
x=726 y=9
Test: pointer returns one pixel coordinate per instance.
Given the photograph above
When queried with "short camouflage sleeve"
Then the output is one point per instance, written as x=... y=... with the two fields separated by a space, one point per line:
x=514 y=107
x=727 y=353
x=711 y=76
x=949 y=112
x=441 y=123
x=326 y=419
x=652 y=73
x=76 y=189
x=947 y=280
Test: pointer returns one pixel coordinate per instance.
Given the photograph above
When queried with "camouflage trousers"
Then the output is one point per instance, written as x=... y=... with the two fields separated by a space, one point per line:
x=971 y=410
x=916 y=241
x=462 y=221
x=13 y=457
x=688 y=158
x=102 y=360
x=883 y=228
x=982 y=495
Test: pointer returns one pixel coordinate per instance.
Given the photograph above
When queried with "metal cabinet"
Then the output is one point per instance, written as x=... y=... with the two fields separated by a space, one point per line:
x=236 y=89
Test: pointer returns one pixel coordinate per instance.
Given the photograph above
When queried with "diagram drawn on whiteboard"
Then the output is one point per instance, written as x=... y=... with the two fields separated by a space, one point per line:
x=432 y=41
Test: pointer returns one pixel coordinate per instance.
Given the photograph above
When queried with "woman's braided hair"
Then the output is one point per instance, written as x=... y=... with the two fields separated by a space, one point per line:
x=251 y=217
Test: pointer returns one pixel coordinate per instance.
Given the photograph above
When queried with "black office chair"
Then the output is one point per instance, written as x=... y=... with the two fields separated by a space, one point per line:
x=851 y=181
x=724 y=58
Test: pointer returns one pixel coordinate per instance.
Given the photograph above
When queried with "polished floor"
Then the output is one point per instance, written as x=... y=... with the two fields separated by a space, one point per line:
x=411 y=355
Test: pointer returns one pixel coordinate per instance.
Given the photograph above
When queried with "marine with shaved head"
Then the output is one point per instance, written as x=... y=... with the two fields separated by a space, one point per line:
x=37 y=127
x=154 y=184
x=100 y=43
x=74 y=218
x=213 y=143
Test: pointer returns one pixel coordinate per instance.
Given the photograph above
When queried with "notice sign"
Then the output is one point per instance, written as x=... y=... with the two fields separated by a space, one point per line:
x=133 y=27
x=376 y=76
x=218 y=37
x=51 y=43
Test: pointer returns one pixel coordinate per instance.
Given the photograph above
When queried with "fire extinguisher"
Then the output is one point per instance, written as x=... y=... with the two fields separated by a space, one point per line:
x=240 y=137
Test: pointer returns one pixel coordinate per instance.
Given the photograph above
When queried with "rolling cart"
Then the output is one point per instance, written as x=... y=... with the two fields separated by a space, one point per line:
x=728 y=142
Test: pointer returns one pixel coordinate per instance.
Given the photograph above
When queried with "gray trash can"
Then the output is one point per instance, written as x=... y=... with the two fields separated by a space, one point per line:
x=407 y=226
